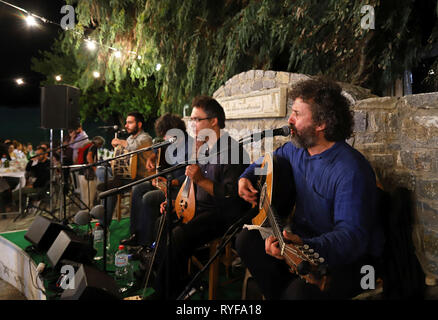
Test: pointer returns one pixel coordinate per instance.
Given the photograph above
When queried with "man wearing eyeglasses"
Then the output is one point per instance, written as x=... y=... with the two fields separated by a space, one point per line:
x=220 y=161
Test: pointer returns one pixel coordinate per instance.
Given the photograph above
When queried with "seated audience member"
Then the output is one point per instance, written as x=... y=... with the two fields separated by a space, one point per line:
x=39 y=170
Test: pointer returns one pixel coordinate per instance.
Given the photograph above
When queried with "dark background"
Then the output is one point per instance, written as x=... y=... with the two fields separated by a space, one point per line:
x=20 y=113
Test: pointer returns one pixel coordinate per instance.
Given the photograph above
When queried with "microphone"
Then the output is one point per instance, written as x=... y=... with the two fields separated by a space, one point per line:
x=97 y=212
x=82 y=218
x=283 y=131
x=109 y=127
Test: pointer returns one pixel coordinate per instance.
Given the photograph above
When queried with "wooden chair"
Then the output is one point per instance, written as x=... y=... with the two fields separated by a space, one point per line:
x=213 y=272
x=120 y=198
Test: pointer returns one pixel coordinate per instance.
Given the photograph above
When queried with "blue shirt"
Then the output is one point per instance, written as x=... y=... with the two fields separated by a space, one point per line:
x=335 y=209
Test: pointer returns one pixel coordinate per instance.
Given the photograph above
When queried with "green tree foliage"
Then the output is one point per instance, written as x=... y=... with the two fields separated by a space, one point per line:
x=201 y=44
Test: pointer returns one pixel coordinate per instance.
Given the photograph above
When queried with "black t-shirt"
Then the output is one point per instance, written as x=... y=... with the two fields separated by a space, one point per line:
x=225 y=173
x=41 y=171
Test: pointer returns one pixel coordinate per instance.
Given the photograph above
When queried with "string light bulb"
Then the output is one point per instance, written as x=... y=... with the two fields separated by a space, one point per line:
x=91 y=45
x=158 y=67
x=19 y=81
x=96 y=74
x=118 y=54
x=58 y=78
x=31 y=21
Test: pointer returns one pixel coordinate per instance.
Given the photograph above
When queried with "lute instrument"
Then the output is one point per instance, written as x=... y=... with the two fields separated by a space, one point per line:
x=301 y=259
x=185 y=203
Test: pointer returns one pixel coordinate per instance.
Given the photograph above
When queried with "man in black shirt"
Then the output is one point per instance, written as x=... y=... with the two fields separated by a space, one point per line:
x=217 y=202
x=39 y=170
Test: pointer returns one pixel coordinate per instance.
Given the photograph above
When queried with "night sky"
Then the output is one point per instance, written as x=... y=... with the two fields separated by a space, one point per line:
x=19 y=43
x=20 y=114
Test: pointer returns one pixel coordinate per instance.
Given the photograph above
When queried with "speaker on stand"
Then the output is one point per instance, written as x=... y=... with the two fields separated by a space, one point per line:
x=59 y=110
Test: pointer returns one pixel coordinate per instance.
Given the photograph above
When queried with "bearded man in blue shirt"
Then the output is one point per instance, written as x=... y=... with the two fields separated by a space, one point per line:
x=335 y=200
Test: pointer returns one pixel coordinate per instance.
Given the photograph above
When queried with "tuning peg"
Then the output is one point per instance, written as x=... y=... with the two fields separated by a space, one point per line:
x=303 y=268
x=321 y=260
x=316 y=255
x=306 y=247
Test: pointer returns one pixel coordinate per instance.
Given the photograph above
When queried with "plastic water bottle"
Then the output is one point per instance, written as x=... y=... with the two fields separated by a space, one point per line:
x=98 y=241
x=124 y=274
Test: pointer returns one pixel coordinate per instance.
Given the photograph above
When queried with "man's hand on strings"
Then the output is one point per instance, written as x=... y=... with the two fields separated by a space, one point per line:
x=272 y=245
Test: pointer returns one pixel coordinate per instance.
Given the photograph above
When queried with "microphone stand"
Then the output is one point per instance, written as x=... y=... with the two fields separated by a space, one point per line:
x=232 y=231
x=107 y=193
x=243 y=141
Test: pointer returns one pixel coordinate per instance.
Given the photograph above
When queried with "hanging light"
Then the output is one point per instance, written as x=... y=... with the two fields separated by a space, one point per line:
x=91 y=45
x=19 y=81
x=96 y=74
x=31 y=21
x=58 y=78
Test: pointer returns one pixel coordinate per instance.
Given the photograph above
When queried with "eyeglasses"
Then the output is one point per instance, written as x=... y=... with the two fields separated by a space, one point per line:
x=199 y=119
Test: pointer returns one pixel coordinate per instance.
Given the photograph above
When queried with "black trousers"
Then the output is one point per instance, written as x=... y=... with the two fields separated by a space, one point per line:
x=277 y=283
x=171 y=263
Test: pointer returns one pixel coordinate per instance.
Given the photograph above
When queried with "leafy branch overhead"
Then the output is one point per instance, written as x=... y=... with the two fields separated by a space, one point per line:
x=201 y=44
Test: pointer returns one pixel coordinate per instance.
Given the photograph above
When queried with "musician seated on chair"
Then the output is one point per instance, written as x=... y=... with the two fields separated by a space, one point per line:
x=38 y=171
x=147 y=196
x=335 y=201
x=216 y=202
x=122 y=171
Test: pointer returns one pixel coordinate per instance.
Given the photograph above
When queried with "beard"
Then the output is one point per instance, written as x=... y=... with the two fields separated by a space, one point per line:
x=305 y=138
x=134 y=131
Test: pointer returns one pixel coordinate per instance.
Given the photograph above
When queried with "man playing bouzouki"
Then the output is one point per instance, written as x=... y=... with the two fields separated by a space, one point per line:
x=137 y=139
x=217 y=204
x=335 y=200
x=147 y=196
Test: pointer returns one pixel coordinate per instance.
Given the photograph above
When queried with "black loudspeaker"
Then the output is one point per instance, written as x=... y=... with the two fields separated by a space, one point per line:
x=92 y=284
x=59 y=107
x=69 y=246
x=43 y=232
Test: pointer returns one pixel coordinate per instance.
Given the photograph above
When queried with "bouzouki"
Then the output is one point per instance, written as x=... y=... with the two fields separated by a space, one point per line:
x=126 y=167
x=185 y=203
x=301 y=259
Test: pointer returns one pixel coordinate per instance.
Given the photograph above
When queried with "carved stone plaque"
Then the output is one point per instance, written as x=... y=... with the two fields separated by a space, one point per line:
x=261 y=104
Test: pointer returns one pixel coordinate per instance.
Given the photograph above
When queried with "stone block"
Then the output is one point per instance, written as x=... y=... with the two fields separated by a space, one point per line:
x=219 y=92
x=427 y=189
x=235 y=90
x=420 y=160
x=250 y=75
x=259 y=74
x=360 y=121
x=257 y=85
x=268 y=84
x=388 y=103
x=282 y=77
x=245 y=88
x=382 y=160
x=269 y=74
x=422 y=101
x=296 y=77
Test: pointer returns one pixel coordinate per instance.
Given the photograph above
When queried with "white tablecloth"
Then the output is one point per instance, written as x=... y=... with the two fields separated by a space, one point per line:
x=9 y=172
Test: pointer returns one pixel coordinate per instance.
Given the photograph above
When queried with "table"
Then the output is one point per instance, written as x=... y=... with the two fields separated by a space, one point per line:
x=15 y=173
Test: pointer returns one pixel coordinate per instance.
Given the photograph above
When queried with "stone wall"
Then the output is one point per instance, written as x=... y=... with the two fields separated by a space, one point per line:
x=399 y=136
